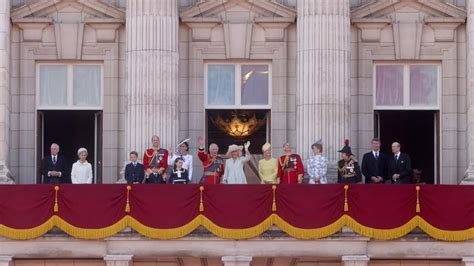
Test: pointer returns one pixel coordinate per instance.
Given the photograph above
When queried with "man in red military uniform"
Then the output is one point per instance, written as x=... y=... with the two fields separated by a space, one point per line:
x=213 y=164
x=290 y=167
x=155 y=160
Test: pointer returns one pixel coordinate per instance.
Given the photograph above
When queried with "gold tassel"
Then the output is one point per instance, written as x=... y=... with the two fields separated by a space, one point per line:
x=346 y=205
x=201 y=205
x=127 y=206
x=56 y=206
x=418 y=209
x=274 y=205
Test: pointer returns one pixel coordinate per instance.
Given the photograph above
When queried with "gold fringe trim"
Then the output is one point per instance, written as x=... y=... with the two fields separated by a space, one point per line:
x=30 y=233
x=127 y=206
x=445 y=235
x=382 y=234
x=417 y=209
x=165 y=233
x=56 y=206
x=85 y=233
x=241 y=233
x=201 y=204
x=314 y=233
x=274 y=206
x=346 y=205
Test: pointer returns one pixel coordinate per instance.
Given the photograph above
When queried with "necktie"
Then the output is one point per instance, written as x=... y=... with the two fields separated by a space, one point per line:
x=54 y=159
x=376 y=155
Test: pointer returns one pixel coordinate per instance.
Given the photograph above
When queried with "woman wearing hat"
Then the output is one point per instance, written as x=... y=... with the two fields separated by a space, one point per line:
x=234 y=166
x=81 y=170
x=182 y=151
x=268 y=166
x=348 y=170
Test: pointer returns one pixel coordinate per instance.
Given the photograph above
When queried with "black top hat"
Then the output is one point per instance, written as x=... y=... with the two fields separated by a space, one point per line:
x=346 y=149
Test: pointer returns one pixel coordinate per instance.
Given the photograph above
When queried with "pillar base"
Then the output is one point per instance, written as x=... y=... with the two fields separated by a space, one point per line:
x=6 y=261
x=118 y=260
x=468 y=261
x=355 y=260
x=236 y=260
x=468 y=176
x=5 y=175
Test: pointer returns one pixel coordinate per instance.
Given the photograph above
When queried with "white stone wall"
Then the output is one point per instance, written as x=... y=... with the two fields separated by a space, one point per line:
x=40 y=34
x=403 y=33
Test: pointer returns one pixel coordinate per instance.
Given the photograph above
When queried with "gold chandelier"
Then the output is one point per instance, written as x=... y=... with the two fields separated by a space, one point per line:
x=240 y=124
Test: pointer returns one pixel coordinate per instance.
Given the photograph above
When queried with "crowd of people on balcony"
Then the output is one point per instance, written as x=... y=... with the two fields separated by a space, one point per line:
x=376 y=167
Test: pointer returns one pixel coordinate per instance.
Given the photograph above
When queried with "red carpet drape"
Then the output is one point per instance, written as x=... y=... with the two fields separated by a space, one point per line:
x=384 y=212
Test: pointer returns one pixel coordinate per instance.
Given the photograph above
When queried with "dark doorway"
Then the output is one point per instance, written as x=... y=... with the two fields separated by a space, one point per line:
x=71 y=130
x=415 y=131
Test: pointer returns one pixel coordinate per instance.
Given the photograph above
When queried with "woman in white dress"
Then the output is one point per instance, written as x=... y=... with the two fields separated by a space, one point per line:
x=81 y=170
x=234 y=166
x=182 y=151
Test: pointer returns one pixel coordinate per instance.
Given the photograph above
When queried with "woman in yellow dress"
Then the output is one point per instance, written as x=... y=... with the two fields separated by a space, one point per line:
x=268 y=166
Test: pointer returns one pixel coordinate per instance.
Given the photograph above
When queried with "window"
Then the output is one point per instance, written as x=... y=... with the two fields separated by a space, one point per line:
x=407 y=86
x=238 y=86
x=69 y=86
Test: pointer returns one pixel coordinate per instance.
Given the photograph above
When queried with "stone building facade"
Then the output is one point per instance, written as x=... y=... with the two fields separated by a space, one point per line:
x=109 y=74
x=118 y=72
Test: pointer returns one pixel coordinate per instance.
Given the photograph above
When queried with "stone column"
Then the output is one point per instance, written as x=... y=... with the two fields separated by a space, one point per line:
x=5 y=176
x=323 y=78
x=469 y=175
x=237 y=260
x=152 y=73
x=355 y=260
x=6 y=261
x=118 y=260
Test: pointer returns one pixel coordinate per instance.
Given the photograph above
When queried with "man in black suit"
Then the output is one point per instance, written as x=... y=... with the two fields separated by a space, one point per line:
x=54 y=169
x=134 y=171
x=399 y=166
x=375 y=164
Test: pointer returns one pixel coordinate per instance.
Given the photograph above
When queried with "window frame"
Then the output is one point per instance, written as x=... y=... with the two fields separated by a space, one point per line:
x=238 y=85
x=70 y=86
x=406 y=87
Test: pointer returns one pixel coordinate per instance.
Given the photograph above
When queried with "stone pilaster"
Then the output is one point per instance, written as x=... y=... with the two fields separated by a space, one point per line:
x=323 y=78
x=152 y=73
x=6 y=261
x=236 y=260
x=5 y=176
x=118 y=260
x=469 y=176
x=355 y=260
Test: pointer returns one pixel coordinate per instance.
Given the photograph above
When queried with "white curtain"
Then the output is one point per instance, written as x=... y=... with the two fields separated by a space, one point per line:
x=254 y=84
x=423 y=85
x=87 y=85
x=389 y=85
x=53 y=85
x=221 y=84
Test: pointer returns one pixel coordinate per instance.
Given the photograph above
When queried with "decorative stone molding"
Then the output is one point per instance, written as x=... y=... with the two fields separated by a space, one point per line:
x=444 y=28
x=371 y=28
x=237 y=31
x=105 y=29
x=32 y=28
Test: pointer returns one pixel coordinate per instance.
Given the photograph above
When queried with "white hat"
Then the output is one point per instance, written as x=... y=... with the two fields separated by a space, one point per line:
x=81 y=150
x=232 y=148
